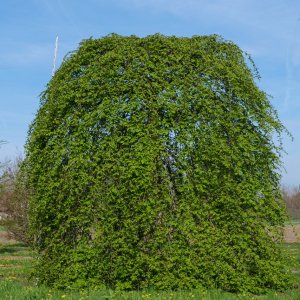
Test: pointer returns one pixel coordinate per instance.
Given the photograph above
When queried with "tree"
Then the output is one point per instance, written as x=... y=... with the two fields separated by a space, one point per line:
x=1 y=143
x=14 y=200
x=291 y=197
x=152 y=163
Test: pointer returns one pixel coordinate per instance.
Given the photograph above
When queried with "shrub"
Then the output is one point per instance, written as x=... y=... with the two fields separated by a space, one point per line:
x=152 y=163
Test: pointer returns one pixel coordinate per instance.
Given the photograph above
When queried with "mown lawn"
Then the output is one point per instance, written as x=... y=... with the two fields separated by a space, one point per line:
x=15 y=267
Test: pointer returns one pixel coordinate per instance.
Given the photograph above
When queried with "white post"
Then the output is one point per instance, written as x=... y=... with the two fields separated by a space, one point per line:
x=55 y=52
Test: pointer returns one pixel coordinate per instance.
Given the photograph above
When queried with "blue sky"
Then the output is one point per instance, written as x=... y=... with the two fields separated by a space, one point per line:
x=267 y=29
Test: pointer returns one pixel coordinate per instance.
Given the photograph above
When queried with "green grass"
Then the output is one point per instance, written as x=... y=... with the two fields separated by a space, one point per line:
x=294 y=252
x=293 y=222
x=15 y=263
x=15 y=268
x=14 y=290
x=2 y=228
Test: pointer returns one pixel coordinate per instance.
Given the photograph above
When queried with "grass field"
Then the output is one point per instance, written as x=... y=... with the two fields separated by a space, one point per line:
x=15 y=267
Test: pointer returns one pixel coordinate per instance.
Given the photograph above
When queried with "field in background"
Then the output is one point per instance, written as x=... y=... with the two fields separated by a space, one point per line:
x=16 y=263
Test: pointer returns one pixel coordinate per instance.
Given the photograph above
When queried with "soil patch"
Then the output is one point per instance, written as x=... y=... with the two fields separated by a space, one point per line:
x=292 y=233
x=15 y=257
x=5 y=238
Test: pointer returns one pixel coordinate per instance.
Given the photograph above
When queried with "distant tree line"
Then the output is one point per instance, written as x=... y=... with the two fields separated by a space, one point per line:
x=14 y=201
x=291 y=197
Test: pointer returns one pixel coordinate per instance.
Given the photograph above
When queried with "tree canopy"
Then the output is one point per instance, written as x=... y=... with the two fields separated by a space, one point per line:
x=152 y=162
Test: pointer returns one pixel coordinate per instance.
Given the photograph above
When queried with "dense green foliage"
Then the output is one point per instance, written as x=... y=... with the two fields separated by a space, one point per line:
x=152 y=163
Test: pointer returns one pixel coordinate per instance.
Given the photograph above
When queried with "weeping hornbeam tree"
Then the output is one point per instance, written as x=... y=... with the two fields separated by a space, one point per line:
x=154 y=162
